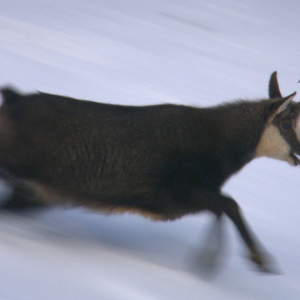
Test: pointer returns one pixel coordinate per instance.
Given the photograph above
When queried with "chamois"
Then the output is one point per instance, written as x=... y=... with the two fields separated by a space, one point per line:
x=162 y=161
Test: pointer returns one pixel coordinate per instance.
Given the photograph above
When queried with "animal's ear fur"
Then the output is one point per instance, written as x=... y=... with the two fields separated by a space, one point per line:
x=274 y=91
x=280 y=105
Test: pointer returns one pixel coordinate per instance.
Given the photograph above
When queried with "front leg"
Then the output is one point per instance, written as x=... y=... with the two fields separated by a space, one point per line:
x=257 y=255
x=220 y=204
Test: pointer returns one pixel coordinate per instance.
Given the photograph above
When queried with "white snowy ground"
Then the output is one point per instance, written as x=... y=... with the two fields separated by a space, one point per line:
x=143 y=52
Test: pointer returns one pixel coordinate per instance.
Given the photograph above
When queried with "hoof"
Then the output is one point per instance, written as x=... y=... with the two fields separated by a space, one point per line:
x=265 y=263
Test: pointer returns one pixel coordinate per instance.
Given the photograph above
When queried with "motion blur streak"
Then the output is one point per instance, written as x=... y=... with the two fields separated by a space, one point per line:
x=145 y=52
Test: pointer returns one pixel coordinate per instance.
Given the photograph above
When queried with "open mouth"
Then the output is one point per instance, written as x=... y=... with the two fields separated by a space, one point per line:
x=295 y=158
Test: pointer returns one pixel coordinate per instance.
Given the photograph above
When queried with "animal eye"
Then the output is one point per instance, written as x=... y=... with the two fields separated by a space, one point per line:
x=286 y=125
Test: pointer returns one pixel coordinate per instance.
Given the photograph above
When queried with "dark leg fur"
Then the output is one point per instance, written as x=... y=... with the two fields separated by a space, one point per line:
x=21 y=201
x=219 y=204
x=210 y=257
x=262 y=260
x=21 y=198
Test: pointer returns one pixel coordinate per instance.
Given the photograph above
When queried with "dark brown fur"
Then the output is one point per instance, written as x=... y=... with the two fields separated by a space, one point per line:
x=163 y=161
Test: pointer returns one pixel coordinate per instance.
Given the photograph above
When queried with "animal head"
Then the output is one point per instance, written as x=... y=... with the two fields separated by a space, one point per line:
x=281 y=135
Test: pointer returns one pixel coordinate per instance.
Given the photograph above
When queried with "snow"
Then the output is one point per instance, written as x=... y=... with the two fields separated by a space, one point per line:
x=142 y=52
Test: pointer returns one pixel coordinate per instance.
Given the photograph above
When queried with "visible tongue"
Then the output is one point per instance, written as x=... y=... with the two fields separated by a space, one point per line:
x=295 y=159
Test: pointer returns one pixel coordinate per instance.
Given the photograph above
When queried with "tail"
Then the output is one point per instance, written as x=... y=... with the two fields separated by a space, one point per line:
x=9 y=96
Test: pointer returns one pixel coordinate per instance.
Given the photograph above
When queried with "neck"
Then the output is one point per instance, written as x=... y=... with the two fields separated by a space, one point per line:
x=240 y=126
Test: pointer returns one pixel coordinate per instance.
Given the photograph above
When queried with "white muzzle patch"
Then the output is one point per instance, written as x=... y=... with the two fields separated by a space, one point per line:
x=273 y=145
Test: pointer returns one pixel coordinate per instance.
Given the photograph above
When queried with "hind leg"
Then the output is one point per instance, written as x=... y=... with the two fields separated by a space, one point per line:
x=210 y=257
x=21 y=200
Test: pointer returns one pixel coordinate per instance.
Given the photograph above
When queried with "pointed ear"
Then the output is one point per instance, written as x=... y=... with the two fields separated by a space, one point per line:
x=280 y=105
x=274 y=91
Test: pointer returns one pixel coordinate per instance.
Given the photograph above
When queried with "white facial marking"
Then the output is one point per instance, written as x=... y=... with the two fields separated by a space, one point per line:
x=297 y=129
x=273 y=145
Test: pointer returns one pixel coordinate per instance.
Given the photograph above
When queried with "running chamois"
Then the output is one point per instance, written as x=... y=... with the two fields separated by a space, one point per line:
x=162 y=161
